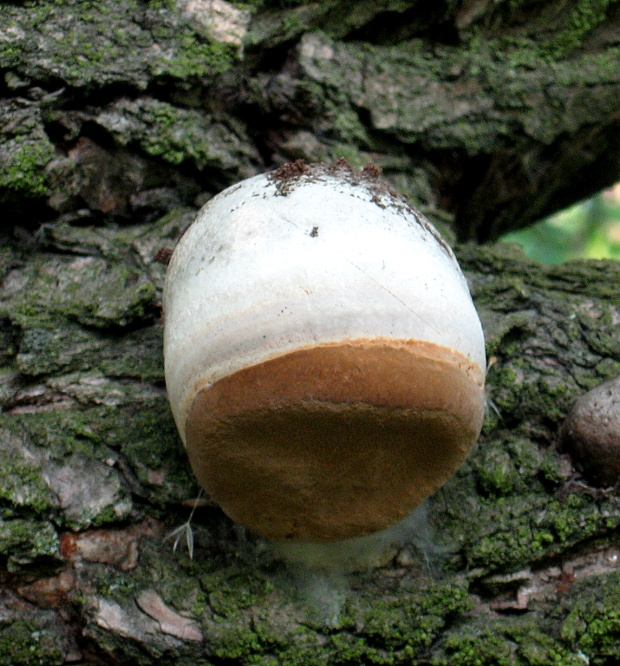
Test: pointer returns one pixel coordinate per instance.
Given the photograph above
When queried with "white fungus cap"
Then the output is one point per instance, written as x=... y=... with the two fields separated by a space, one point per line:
x=324 y=360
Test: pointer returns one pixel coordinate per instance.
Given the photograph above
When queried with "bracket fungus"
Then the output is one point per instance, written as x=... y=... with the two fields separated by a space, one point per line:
x=324 y=360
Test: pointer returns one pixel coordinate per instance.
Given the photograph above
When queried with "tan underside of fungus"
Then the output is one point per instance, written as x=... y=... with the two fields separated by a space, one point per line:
x=335 y=441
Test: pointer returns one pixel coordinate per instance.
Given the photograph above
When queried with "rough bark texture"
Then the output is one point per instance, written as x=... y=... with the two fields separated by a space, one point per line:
x=119 y=119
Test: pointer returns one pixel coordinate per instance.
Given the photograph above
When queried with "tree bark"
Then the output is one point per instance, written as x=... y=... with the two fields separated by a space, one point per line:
x=119 y=120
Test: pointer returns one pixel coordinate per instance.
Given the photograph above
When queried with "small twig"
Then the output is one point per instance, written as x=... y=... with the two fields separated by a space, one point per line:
x=488 y=403
x=186 y=528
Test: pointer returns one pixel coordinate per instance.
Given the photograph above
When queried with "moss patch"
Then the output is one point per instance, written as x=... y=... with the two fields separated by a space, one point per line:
x=422 y=96
x=592 y=625
x=27 y=543
x=31 y=642
x=25 y=151
x=179 y=135
x=505 y=508
x=584 y=16
x=22 y=166
x=91 y=44
x=92 y=291
x=509 y=641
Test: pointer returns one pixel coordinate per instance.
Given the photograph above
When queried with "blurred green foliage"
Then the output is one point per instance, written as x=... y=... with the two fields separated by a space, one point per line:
x=588 y=230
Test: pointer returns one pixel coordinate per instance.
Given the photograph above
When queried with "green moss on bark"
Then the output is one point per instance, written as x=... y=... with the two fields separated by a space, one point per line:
x=507 y=641
x=179 y=135
x=419 y=96
x=30 y=643
x=23 y=163
x=584 y=17
x=87 y=44
x=592 y=625
x=28 y=545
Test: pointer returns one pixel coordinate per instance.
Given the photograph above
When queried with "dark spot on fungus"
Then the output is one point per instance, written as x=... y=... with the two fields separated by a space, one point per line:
x=163 y=255
x=341 y=164
x=290 y=170
x=371 y=170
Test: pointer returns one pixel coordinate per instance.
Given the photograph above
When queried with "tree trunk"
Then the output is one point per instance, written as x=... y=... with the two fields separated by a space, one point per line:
x=119 y=120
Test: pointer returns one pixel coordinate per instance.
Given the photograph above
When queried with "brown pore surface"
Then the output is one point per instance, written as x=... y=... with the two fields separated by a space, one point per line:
x=335 y=441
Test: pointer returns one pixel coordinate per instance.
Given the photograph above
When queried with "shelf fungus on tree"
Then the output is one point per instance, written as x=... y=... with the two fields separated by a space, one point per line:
x=324 y=359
